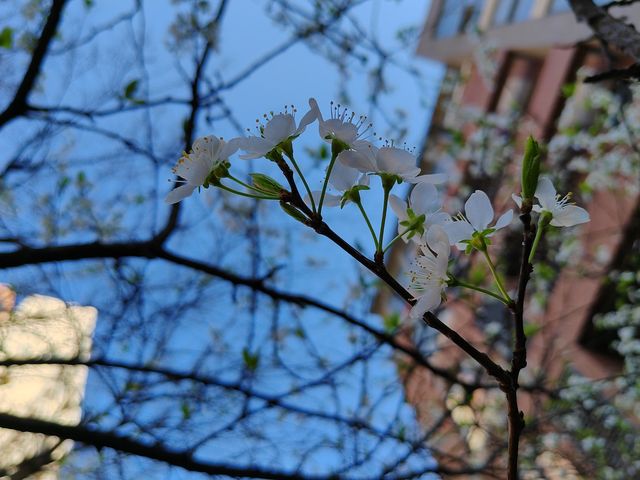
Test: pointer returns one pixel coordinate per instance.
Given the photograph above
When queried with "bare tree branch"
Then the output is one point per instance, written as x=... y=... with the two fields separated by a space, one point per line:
x=19 y=104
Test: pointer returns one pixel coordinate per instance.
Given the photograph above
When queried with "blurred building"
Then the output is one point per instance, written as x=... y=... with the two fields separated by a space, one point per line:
x=40 y=328
x=511 y=67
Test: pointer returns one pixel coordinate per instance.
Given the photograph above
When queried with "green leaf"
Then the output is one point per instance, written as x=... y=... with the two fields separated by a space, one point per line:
x=81 y=179
x=130 y=89
x=63 y=182
x=6 y=37
x=251 y=360
x=186 y=411
x=132 y=387
x=391 y=322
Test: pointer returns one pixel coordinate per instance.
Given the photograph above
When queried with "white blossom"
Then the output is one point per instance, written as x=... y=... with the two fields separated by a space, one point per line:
x=341 y=126
x=389 y=160
x=429 y=275
x=478 y=214
x=278 y=129
x=563 y=213
x=342 y=178
x=424 y=202
x=194 y=168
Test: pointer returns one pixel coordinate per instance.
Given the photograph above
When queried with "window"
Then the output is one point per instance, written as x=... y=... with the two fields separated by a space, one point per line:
x=457 y=16
x=512 y=11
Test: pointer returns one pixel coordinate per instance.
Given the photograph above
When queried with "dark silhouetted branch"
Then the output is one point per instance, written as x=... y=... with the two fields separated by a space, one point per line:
x=18 y=105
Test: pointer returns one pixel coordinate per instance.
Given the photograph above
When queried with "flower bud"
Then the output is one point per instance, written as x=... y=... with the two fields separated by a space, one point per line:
x=530 y=168
x=293 y=212
x=266 y=184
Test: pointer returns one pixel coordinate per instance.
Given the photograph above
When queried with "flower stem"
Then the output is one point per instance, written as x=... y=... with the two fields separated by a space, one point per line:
x=400 y=235
x=544 y=220
x=244 y=194
x=246 y=185
x=337 y=146
x=334 y=156
x=366 y=218
x=495 y=274
x=459 y=283
x=304 y=180
x=384 y=218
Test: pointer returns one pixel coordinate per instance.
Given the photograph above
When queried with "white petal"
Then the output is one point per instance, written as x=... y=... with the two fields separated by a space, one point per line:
x=345 y=131
x=546 y=194
x=409 y=174
x=177 y=194
x=279 y=128
x=343 y=177
x=458 y=231
x=517 y=199
x=425 y=199
x=357 y=160
x=230 y=147
x=313 y=105
x=194 y=169
x=207 y=146
x=438 y=240
x=504 y=220
x=428 y=301
x=399 y=207
x=438 y=218
x=433 y=178
x=307 y=119
x=569 y=216
x=329 y=200
x=316 y=197
x=255 y=147
x=478 y=210
x=395 y=160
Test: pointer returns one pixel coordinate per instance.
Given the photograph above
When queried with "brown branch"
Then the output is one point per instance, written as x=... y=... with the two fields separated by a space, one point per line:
x=609 y=29
x=630 y=73
x=515 y=417
x=18 y=105
x=272 y=400
x=116 y=441
x=315 y=222
x=151 y=250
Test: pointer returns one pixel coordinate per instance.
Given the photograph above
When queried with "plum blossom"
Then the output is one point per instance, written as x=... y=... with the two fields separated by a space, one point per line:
x=194 y=168
x=341 y=126
x=563 y=213
x=475 y=221
x=429 y=275
x=362 y=154
x=418 y=214
x=342 y=179
x=389 y=160
x=278 y=129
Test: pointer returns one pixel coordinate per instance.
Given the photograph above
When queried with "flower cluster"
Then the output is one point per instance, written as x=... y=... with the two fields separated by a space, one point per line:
x=355 y=160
